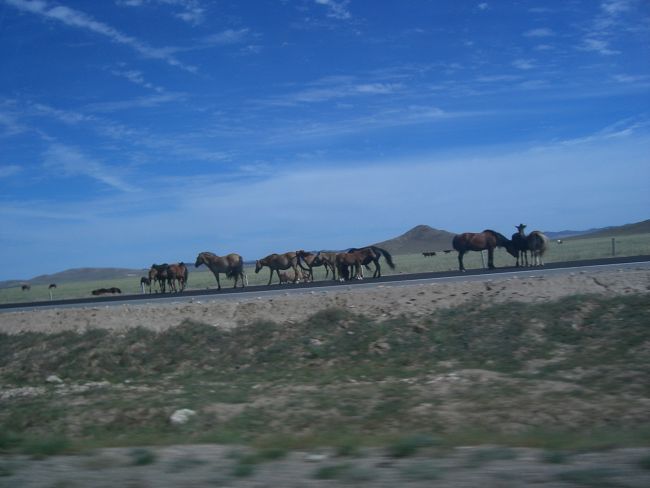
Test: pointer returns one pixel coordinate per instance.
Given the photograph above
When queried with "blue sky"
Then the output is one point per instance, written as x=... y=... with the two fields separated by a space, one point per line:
x=141 y=131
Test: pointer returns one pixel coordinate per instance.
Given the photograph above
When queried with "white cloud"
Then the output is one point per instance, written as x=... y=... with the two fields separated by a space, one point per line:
x=598 y=45
x=229 y=36
x=483 y=6
x=68 y=161
x=80 y=20
x=524 y=64
x=337 y=9
x=9 y=170
x=541 y=32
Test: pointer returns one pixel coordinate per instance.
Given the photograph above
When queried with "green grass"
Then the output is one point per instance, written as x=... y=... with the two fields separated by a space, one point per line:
x=264 y=385
x=569 y=250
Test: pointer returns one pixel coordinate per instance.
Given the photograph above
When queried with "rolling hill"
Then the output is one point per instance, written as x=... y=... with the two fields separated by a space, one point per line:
x=420 y=238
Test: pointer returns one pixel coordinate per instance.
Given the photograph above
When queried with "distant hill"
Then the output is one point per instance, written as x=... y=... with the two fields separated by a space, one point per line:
x=78 y=274
x=621 y=230
x=420 y=238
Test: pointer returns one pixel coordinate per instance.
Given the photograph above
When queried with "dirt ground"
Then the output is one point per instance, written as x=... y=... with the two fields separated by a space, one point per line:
x=210 y=465
x=382 y=302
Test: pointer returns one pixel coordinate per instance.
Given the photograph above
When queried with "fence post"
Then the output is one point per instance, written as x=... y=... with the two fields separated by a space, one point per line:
x=613 y=246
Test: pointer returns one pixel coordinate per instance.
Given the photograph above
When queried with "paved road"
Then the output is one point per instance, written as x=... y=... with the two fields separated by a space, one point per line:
x=399 y=280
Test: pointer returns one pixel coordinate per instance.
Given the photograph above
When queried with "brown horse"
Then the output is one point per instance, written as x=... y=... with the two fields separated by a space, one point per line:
x=537 y=243
x=232 y=265
x=372 y=255
x=354 y=258
x=329 y=261
x=277 y=262
x=177 y=273
x=311 y=260
x=520 y=242
x=488 y=239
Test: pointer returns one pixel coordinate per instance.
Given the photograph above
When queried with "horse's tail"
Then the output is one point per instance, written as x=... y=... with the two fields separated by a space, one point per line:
x=386 y=254
x=185 y=274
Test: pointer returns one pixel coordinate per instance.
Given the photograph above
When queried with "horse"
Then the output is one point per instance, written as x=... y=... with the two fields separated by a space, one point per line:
x=312 y=261
x=521 y=244
x=373 y=254
x=429 y=254
x=329 y=261
x=159 y=273
x=488 y=239
x=277 y=262
x=145 y=283
x=25 y=287
x=177 y=272
x=356 y=258
x=232 y=265
x=537 y=243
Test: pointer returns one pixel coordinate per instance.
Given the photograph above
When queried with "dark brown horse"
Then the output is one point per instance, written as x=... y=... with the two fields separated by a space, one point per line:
x=521 y=244
x=372 y=255
x=277 y=262
x=159 y=273
x=488 y=239
x=232 y=265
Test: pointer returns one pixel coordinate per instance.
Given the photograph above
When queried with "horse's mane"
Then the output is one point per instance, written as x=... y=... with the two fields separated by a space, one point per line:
x=501 y=239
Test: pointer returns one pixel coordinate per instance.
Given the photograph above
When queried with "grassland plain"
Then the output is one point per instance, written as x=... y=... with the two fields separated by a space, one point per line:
x=552 y=392
x=201 y=278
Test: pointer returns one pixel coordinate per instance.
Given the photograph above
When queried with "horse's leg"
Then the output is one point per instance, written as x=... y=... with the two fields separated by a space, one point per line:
x=216 y=275
x=377 y=269
x=460 y=261
x=490 y=257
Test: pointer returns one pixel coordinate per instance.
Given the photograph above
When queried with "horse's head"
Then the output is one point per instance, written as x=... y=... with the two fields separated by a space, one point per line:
x=200 y=259
x=258 y=266
x=520 y=228
x=512 y=249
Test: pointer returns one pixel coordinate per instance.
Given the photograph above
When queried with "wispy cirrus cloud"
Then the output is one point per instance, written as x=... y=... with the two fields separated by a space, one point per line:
x=332 y=88
x=68 y=161
x=80 y=20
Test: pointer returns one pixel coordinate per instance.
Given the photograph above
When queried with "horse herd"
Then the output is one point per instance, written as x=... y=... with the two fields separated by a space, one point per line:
x=346 y=265
x=343 y=266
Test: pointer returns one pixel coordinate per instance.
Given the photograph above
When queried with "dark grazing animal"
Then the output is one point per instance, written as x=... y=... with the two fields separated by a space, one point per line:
x=537 y=243
x=145 y=283
x=106 y=291
x=276 y=262
x=428 y=254
x=521 y=244
x=480 y=241
x=231 y=265
x=25 y=287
